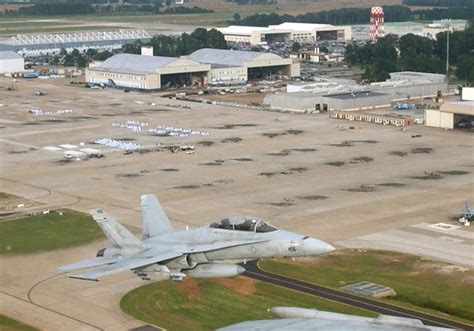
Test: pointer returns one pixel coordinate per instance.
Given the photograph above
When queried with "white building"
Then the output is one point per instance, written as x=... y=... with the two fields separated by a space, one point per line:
x=11 y=62
x=288 y=31
x=361 y=32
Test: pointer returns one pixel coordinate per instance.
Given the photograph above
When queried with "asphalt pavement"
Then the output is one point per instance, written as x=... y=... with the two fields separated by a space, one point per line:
x=253 y=271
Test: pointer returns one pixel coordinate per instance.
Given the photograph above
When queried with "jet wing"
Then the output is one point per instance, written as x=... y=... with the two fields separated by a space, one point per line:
x=96 y=261
x=125 y=264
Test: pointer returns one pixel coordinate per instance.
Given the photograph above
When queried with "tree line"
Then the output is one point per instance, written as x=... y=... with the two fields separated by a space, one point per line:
x=415 y=53
x=439 y=3
x=76 y=8
x=163 y=45
x=357 y=16
x=180 y=45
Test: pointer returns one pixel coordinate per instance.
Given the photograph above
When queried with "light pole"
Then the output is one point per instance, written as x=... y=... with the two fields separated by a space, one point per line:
x=446 y=23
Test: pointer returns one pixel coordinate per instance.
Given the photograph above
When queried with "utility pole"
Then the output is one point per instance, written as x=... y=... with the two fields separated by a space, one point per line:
x=446 y=24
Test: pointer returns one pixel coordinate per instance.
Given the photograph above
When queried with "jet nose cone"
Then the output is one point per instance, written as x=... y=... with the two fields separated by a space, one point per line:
x=316 y=247
x=240 y=269
x=329 y=248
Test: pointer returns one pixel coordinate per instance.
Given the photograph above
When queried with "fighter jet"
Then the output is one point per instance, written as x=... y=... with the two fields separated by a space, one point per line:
x=311 y=319
x=467 y=215
x=201 y=252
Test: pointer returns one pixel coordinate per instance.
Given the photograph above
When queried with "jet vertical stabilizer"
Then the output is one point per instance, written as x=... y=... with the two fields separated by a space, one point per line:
x=117 y=234
x=154 y=219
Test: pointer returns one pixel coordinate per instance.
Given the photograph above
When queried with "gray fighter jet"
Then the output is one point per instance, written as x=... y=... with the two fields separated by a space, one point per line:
x=164 y=252
x=299 y=319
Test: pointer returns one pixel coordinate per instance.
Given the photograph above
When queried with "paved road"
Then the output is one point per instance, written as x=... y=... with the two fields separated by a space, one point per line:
x=382 y=308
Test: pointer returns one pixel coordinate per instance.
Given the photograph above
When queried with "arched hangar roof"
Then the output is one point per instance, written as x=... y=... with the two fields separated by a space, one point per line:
x=139 y=64
x=229 y=58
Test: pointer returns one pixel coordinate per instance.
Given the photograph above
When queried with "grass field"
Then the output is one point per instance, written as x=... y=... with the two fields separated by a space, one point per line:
x=47 y=232
x=8 y=324
x=204 y=304
x=435 y=287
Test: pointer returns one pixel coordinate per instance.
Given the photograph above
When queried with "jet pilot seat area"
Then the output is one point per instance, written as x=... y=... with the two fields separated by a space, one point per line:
x=246 y=223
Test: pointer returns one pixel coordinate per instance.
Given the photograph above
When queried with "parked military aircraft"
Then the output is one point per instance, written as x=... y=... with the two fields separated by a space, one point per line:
x=196 y=253
x=468 y=215
x=311 y=319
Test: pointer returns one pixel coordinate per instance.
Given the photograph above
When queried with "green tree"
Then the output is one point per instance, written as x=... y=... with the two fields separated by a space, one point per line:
x=90 y=53
x=236 y=17
x=133 y=48
x=102 y=56
x=296 y=46
x=80 y=62
x=69 y=60
x=465 y=69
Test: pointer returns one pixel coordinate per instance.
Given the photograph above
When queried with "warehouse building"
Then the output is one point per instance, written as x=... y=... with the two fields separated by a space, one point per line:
x=11 y=62
x=229 y=65
x=401 y=86
x=144 y=72
x=206 y=66
x=452 y=113
x=285 y=32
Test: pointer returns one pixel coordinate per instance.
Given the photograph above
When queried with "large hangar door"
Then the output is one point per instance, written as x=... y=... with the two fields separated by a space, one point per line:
x=188 y=79
x=464 y=122
x=270 y=72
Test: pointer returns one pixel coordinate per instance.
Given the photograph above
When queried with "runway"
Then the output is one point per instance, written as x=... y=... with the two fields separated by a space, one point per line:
x=253 y=271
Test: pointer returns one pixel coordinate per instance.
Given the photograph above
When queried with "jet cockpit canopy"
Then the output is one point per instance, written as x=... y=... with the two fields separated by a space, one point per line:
x=243 y=223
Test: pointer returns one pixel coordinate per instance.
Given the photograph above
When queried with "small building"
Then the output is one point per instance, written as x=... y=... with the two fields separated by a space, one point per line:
x=11 y=62
x=450 y=114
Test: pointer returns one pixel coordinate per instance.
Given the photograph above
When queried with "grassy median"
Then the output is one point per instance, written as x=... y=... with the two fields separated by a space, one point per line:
x=431 y=286
x=47 y=232
x=9 y=324
x=205 y=304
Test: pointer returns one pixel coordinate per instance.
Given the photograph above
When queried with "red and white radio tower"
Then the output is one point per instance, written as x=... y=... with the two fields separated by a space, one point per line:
x=376 y=29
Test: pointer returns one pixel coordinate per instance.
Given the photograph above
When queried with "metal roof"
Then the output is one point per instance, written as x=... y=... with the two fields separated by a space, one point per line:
x=458 y=107
x=8 y=55
x=5 y=47
x=353 y=95
x=223 y=57
x=136 y=64
x=242 y=29
x=309 y=27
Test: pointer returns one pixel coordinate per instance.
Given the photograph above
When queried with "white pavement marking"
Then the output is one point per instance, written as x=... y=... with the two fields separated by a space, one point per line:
x=27 y=133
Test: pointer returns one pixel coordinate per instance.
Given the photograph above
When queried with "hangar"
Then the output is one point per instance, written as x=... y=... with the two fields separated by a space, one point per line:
x=218 y=67
x=229 y=65
x=450 y=115
x=288 y=31
x=147 y=72
x=453 y=114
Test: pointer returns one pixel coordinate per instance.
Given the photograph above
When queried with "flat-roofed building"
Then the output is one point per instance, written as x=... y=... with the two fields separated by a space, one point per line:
x=288 y=31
